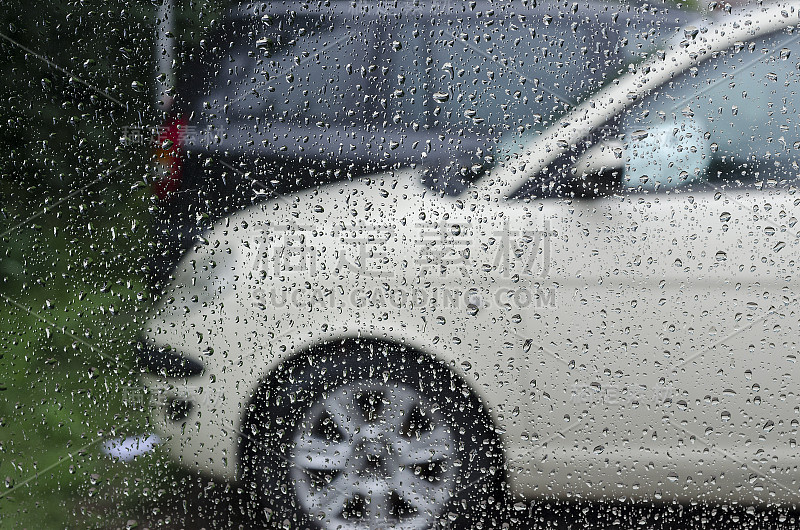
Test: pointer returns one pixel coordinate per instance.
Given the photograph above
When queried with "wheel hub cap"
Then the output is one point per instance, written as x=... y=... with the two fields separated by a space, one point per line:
x=373 y=455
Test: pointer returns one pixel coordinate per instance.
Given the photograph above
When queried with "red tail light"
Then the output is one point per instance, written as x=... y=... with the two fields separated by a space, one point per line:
x=168 y=158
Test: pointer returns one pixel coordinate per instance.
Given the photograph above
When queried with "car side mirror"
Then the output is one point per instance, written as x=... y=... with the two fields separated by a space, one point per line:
x=666 y=156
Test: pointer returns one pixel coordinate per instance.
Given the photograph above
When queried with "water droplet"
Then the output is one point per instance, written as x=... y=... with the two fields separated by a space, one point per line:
x=441 y=97
x=448 y=67
x=725 y=217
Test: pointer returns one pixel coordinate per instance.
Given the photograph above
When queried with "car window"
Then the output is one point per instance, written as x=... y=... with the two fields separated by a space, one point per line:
x=489 y=83
x=299 y=69
x=730 y=121
x=726 y=122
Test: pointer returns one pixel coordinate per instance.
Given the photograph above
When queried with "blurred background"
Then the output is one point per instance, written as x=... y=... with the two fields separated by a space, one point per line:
x=76 y=207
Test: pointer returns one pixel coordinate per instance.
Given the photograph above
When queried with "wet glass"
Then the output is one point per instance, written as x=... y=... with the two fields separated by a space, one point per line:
x=399 y=264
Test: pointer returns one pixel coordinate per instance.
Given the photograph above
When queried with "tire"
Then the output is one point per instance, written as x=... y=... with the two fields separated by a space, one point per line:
x=364 y=434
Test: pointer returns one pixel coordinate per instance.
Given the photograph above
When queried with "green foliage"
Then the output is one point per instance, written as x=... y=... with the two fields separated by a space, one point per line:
x=74 y=213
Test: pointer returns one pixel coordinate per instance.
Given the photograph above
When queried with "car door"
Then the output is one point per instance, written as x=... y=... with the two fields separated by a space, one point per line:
x=670 y=353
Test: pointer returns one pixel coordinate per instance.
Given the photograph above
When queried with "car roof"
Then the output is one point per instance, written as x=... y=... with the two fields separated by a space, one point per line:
x=712 y=36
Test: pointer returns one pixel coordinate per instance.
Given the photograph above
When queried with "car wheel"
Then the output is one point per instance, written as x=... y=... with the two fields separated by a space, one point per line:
x=370 y=435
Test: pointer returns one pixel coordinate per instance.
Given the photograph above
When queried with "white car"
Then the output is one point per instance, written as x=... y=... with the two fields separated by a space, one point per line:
x=611 y=312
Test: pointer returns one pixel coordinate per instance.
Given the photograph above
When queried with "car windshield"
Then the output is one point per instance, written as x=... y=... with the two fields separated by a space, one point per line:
x=369 y=88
